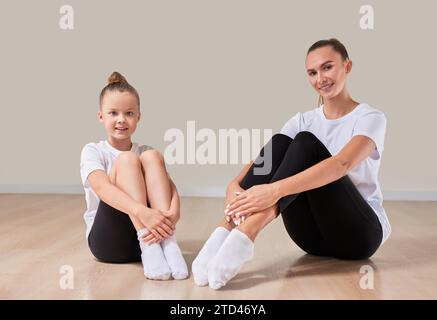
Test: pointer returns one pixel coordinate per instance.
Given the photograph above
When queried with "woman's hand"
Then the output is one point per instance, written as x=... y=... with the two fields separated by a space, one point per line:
x=156 y=222
x=255 y=199
x=232 y=191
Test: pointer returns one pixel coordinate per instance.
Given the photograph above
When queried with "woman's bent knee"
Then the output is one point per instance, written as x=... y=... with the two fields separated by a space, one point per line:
x=358 y=252
x=280 y=138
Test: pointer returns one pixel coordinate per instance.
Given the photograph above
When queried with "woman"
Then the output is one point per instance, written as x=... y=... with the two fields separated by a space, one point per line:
x=323 y=180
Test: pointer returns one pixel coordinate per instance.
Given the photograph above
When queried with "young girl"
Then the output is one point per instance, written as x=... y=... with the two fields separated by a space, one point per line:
x=323 y=180
x=132 y=204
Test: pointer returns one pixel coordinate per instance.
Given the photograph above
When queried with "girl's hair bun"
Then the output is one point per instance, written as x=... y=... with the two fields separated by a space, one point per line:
x=116 y=77
x=116 y=82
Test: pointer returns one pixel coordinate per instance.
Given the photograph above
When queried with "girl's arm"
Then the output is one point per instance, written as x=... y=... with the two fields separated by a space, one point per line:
x=113 y=195
x=120 y=200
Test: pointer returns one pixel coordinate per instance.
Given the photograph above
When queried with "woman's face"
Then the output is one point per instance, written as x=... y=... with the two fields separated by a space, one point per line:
x=327 y=72
x=119 y=114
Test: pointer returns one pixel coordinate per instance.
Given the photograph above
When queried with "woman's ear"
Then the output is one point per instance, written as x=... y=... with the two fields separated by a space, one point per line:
x=348 y=66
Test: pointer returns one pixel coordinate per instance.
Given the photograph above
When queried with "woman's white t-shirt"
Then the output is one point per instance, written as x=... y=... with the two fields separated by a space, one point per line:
x=98 y=156
x=336 y=133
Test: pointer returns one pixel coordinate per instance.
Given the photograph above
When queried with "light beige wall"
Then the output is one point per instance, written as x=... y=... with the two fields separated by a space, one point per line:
x=224 y=64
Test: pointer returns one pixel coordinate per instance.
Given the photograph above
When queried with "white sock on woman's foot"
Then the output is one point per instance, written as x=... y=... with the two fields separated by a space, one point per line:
x=174 y=257
x=235 y=251
x=154 y=264
x=208 y=251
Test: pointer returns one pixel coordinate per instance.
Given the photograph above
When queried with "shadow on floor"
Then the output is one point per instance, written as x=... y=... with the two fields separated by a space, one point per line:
x=305 y=266
x=190 y=248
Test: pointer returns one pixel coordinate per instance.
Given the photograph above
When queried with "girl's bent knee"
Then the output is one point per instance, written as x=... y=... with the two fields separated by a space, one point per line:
x=152 y=155
x=129 y=157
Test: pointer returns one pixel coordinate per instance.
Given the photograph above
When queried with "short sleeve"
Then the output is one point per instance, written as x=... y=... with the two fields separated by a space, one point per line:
x=143 y=148
x=90 y=160
x=372 y=125
x=292 y=126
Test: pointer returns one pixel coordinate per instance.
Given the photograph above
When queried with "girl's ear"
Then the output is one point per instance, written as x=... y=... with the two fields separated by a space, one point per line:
x=100 y=116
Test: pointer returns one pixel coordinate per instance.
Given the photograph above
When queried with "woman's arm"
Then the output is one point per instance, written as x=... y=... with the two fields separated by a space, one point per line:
x=322 y=173
x=263 y=196
x=328 y=170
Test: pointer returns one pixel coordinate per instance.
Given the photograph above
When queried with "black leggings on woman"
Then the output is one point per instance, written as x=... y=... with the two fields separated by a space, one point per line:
x=333 y=220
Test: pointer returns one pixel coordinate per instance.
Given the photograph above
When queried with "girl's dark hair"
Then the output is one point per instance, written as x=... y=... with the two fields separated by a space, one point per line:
x=117 y=82
x=336 y=45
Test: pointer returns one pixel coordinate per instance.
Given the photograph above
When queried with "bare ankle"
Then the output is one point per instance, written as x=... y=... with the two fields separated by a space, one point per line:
x=249 y=233
x=227 y=225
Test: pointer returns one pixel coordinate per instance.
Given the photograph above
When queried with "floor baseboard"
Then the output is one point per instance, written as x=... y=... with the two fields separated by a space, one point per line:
x=213 y=192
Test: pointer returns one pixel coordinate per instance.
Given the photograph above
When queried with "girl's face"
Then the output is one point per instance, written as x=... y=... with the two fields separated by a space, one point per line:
x=119 y=114
x=327 y=72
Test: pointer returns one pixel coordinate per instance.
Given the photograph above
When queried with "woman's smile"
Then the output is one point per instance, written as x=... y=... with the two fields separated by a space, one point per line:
x=326 y=88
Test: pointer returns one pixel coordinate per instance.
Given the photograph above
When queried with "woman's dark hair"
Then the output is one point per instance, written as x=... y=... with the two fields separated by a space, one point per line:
x=336 y=45
x=117 y=82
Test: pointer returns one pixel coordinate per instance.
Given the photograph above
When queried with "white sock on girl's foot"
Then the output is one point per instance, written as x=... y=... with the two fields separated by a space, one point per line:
x=154 y=264
x=208 y=251
x=235 y=251
x=174 y=257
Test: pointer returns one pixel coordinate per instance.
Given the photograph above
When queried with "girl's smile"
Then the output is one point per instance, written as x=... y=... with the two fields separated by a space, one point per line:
x=120 y=115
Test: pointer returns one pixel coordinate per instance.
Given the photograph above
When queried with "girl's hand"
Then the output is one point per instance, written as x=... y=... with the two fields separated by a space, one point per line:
x=173 y=216
x=150 y=239
x=156 y=222
x=255 y=199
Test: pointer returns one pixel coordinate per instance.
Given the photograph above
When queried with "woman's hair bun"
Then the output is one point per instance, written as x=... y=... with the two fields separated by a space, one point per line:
x=116 y=77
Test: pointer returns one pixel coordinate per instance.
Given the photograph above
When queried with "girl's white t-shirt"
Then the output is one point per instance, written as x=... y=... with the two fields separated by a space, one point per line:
x=98 y=156
x=336 y=133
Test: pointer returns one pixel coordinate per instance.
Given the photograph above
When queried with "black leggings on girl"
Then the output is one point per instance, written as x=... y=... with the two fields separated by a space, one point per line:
x=113 y=238
x=333 y=220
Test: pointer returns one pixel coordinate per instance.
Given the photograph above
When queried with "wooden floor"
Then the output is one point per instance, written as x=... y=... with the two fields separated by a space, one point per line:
x=41 y=233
